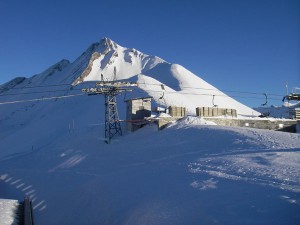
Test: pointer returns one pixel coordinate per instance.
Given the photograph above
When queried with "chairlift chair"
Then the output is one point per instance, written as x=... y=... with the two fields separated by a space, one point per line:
x=294 y=96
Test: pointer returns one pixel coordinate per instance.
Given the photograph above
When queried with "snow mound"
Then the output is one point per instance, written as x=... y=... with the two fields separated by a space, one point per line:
x=164 y=115
x=191 y=121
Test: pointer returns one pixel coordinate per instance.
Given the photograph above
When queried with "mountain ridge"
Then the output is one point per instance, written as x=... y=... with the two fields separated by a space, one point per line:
x=104 y=58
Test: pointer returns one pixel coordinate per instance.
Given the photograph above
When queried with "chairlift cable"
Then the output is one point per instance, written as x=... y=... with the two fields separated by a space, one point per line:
x=41 y=99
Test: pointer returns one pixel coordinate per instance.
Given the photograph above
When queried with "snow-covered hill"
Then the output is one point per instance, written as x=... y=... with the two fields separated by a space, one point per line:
x=52 y=149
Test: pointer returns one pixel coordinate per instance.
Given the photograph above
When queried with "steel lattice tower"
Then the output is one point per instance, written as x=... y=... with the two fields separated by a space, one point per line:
x=112 y=122
x=110 y=90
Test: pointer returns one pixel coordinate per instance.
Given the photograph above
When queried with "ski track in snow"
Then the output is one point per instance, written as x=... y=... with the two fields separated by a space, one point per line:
x=267 y=168
x=69 y=163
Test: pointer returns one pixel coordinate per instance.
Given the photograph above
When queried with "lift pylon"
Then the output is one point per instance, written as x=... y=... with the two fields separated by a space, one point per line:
x=112 y=122
x=110 y=90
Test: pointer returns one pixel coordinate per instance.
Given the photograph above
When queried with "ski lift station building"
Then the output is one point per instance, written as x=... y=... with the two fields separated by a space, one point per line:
x=137 y=110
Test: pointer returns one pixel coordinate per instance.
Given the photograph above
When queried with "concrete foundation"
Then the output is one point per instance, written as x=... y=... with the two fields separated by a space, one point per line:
x=278 y=124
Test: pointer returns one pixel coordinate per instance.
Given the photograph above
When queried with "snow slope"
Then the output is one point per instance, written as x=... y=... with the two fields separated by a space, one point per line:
x=184 y=174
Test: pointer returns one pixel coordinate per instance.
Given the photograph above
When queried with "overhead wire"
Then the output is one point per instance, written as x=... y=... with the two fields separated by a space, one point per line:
x=172 y=86
x=204 y=94
x=37 y=92
x=34 y=92
x=41 y=99
x=36 y=86
x=211 y=89
x=168 y=92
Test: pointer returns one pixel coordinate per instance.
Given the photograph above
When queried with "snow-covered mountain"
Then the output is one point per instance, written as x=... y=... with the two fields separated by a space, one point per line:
x=52 y=149
x=180 y=86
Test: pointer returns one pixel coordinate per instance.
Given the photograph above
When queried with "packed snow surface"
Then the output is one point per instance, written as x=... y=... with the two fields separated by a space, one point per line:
x=188 y=173
x=8 y=209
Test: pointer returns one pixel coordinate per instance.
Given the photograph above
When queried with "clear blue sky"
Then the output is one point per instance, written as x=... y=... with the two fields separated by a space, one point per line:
x=236 y=45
